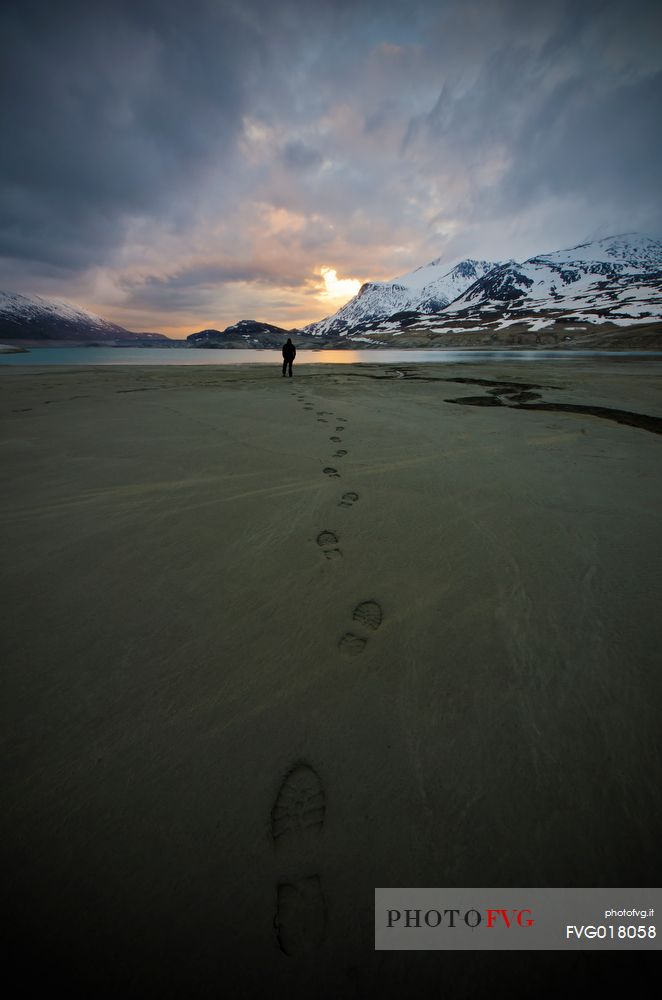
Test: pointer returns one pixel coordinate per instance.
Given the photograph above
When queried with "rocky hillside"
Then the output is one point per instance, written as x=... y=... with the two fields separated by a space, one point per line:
x=247 y=333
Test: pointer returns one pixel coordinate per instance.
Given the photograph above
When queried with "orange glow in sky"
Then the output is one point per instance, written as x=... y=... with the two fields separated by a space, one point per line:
x=338 y=290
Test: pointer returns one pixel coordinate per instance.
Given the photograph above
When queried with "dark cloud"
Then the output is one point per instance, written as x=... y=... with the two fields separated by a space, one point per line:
x=266 y=139
x=112 y=108
x=299 y=156
x=606 y=145
x=196 y=277
x=561 y=105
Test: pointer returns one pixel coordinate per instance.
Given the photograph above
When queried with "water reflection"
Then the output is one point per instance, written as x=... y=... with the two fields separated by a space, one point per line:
x=202 y=356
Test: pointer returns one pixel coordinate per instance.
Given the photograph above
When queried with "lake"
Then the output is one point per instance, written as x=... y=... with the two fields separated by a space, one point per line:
x=202 y=356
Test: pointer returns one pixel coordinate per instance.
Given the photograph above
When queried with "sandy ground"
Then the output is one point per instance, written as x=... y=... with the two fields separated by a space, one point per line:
x=176 y=642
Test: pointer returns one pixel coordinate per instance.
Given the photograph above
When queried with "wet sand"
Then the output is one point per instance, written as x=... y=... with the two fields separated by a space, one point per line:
x=270 y=643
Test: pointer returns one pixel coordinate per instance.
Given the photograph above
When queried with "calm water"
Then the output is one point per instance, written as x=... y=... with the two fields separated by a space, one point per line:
x=200 y=356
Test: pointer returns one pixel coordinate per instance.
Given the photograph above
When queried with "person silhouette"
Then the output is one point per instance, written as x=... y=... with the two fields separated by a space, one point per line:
x=289 y=354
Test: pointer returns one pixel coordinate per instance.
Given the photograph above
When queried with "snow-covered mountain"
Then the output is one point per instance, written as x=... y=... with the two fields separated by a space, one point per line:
x=585 y=293
x=427 y=289
x=617 y=280
x=581 y=294
x=29 y=317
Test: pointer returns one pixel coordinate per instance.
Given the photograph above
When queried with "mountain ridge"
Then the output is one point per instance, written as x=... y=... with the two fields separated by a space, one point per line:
x=31 y=317
x=574 y=295
x=604 y=284
x=427 y=288
x=246 y=333
x=616 y=278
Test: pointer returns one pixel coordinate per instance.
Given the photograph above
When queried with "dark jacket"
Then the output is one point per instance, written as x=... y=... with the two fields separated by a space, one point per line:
x=289 y=350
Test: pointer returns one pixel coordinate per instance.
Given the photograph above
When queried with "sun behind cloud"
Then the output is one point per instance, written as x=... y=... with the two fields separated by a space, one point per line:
x=338 y=290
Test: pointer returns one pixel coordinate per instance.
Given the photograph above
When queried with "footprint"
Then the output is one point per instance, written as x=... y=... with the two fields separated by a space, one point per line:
x=324 y=413
x=300 y=919
x=339 y=453
x=300 y=804
x=322 y=420
x=328 y=542
x=341 y=428
x=296 y=816
x=344 y=419
x=369 y=615
x=336 y=439
x=351 y=645
x=348 y=499
x=329 y=471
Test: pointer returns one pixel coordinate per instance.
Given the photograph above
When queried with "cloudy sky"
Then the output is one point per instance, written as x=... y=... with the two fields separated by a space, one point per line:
x=182 y=164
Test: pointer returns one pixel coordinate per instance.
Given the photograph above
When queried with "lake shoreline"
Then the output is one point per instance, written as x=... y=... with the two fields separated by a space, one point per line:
x=185 y=357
